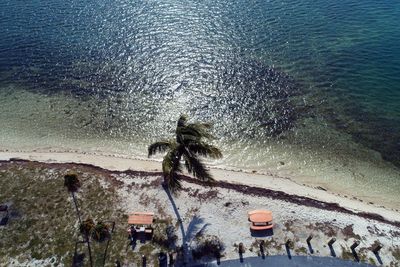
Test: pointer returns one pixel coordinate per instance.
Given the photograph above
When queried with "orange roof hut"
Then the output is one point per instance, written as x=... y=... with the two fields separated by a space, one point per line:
x=260 y=219
x=141 y=218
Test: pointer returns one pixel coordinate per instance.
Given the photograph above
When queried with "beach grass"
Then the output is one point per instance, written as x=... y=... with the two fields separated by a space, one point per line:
x=43 y=225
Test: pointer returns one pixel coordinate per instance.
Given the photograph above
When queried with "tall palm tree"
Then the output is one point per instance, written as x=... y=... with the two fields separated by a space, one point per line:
x=72 y=183
x=188 y=146
x=99 y=232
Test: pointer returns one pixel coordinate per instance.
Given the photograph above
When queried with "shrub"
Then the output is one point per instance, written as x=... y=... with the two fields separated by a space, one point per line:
x=165 y=236
x=171 y=236
x=207 y=246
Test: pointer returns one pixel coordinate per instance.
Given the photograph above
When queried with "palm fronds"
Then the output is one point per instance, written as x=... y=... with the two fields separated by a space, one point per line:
x=197 y=130
x=86 y=226
x=171 y=166
x=205 y=150
x=202 y=129
x=196 y=167
x=182 y=121
x=98 y=232
x=174 y=182
x=71 y=182
x=159 y=147
x=188 y=144
x=101 y=232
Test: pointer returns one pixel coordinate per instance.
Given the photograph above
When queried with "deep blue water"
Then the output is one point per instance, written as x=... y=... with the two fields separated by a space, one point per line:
x=254 y=68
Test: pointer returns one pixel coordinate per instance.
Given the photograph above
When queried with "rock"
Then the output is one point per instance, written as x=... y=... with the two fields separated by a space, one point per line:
x=227 y=204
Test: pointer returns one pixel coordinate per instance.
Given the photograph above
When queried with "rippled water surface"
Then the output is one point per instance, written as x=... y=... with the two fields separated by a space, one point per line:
x=309 y=89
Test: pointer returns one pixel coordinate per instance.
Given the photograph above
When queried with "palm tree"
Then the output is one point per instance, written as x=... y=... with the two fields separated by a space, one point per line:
x=87 y=227
x=72 y=183
x=101 y=232
x=188 y=145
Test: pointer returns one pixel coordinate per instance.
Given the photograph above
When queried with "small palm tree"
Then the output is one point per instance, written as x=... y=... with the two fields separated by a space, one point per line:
x=87 y=227
x=101 y=232
x=188 y=146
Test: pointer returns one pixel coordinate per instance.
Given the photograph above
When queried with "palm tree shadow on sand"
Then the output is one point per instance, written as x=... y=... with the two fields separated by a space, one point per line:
x=191 y=232
x=188 y=147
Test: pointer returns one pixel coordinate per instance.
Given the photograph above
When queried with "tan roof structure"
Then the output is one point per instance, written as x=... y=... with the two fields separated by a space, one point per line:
x=141 y=218
x=260 y=219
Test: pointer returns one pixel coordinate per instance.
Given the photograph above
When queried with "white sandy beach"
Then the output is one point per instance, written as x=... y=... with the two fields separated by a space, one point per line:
x=121 y=163
x=224 y=215
x=222 y=212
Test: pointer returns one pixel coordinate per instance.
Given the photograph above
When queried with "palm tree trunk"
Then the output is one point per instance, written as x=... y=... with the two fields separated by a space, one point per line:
x=178 y=216
x=89 y=249
x=80 y=222
x=76 y=207
x=108 y=242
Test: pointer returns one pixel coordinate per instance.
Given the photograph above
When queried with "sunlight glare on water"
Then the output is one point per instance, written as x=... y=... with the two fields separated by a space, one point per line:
x=314 y=97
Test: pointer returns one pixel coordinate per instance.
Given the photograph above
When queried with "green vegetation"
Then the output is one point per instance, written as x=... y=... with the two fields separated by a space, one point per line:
x=346 y=253
x=396 y=253
x=188 y=145
x=72 y=183
x=86 y=227
x=207 y=246
x=371 y=261
x=301 y=250
x=101 y=232
x=43 y=224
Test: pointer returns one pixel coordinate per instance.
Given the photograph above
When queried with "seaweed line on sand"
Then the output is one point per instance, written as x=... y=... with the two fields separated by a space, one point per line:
x=244 y=189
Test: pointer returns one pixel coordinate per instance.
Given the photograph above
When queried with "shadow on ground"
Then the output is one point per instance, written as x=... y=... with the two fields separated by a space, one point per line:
x=263 y=233
x=284 y=261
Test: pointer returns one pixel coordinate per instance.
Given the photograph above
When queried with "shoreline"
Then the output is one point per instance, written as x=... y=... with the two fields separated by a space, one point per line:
x=271 y=182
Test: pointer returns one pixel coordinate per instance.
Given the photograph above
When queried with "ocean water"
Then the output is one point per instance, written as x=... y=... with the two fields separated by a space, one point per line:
x=303 y=89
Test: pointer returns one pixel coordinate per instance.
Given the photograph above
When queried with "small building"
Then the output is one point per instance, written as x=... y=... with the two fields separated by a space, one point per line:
x=141 y=222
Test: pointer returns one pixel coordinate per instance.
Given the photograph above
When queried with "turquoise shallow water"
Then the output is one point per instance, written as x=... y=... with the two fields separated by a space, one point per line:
x=311 y=84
